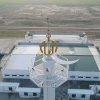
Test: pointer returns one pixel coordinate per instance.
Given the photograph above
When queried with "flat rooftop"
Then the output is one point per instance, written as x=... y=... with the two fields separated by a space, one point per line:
x=26 y=83
x=24 y=56
x=87 y=54
x=89 y=58
x=59 y=38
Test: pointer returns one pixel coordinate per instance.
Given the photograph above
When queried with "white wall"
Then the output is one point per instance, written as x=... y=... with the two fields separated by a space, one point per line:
x=5 y=88
x=60 y=38
x=30 y=95
x=78 y=97
x=18 y=74
x=86 y=76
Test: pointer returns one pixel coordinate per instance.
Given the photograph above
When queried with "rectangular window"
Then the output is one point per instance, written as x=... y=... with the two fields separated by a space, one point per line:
x=7 y=75
x=96 y=77
x=21 y=75
x=34 y=94
x=72 y=76
x=25 y=94
x=27 y=75
x=14 y=75
x=83 y=96
x=73 y=95
x=88 y=77
x=80 y=77
x=10 y=88
x=98 y=92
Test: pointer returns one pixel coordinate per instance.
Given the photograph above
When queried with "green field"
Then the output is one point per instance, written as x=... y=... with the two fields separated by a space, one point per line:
x=12 y=34
x=95 y=34
x=18 y=34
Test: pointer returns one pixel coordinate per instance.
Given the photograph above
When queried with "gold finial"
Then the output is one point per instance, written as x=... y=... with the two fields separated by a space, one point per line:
x=48 y=35
x=48 y=47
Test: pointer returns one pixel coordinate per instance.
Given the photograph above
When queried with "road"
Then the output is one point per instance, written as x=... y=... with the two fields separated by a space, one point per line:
x=53 y=29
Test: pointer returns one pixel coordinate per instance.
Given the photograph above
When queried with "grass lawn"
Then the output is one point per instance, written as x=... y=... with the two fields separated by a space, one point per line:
x=12 y=34
x=96 y=34
x=6 y=34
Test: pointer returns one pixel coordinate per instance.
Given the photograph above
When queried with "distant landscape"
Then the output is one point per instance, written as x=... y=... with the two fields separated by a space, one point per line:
x=24 y=15
x=60 y=2
x=76 y=2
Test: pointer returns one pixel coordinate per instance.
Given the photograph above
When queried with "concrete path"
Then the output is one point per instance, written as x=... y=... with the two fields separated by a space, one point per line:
x=6 y=44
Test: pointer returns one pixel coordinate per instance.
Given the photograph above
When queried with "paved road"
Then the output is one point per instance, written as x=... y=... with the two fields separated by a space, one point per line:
x=53 y=29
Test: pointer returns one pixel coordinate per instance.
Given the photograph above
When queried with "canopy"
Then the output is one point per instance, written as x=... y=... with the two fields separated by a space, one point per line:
x=60 y=61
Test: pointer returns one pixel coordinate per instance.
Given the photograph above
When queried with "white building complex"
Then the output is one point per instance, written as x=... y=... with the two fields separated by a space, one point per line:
x=72 y=73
